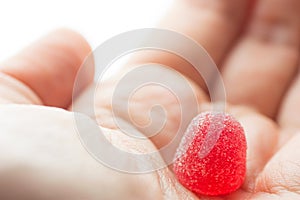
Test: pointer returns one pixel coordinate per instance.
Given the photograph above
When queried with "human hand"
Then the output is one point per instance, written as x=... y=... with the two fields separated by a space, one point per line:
x=41 y=154
x=250 y=50
x=58 y=167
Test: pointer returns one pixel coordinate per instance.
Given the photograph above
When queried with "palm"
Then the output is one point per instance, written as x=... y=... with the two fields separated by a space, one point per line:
x=266 y=160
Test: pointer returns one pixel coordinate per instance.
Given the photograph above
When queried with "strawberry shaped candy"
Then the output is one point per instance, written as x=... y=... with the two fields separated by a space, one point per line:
x=211 y=159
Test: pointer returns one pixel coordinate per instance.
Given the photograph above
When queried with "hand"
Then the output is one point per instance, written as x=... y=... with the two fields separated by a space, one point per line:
x=43 y=158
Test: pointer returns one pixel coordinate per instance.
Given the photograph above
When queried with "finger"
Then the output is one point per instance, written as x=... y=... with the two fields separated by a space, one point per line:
x=289 y=115
x=262 y=137
x=281 y=175
x=213 y=24
x=45 y=70
x=263 y=63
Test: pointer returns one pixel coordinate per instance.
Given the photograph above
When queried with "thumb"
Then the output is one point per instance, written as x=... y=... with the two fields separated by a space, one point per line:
x=44 y=72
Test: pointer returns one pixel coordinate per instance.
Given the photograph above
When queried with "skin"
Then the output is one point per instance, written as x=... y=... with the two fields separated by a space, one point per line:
x=258 y=56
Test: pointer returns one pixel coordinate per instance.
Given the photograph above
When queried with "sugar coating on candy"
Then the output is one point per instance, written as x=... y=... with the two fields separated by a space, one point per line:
x=211 y=158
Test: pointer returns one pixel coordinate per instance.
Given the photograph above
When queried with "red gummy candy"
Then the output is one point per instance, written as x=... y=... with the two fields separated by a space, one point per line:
x=211 y=158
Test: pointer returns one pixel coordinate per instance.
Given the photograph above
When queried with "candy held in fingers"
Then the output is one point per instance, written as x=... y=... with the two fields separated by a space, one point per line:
x=211 y=159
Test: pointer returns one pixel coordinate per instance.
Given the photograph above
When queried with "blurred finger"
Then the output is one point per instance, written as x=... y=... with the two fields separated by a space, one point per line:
x=213 y=24
x=264 y=61
x=289 y=115
x=262 y=137
x=44 y=72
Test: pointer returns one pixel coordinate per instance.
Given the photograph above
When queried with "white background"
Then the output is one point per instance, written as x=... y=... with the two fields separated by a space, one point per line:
x=23 y=21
